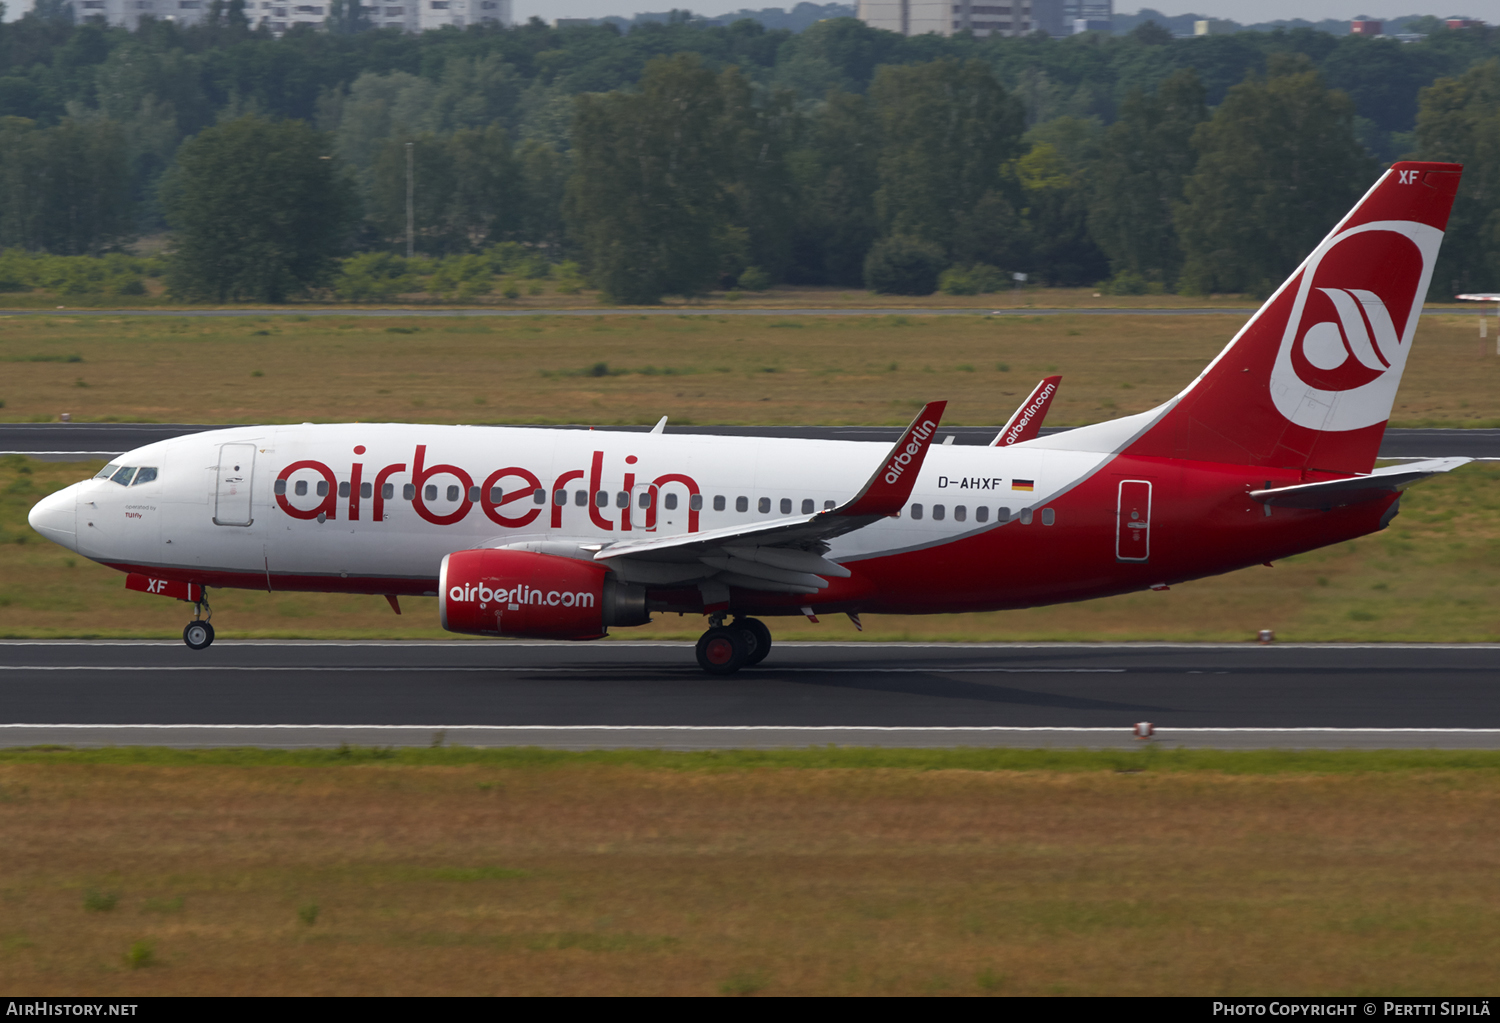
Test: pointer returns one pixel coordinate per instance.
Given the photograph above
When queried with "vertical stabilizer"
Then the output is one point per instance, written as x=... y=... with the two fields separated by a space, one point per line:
x=1310 y=381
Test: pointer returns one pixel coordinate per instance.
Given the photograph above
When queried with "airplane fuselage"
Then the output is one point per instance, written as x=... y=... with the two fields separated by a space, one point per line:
x=373 y=508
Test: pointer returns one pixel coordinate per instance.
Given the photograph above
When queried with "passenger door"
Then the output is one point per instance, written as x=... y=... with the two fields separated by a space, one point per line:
x=1133 y=521
x=236 y=473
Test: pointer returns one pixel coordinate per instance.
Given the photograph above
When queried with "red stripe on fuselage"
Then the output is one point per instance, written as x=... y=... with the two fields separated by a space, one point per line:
x=1202 y=523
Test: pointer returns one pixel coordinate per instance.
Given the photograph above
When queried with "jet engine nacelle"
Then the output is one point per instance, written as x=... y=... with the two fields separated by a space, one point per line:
x=540 y=596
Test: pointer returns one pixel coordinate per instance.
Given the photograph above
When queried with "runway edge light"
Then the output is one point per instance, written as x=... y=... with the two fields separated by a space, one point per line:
x=1144 y=730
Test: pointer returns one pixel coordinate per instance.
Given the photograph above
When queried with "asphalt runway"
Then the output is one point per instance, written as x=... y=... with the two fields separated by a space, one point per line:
x=67 y=441
x=646 y=694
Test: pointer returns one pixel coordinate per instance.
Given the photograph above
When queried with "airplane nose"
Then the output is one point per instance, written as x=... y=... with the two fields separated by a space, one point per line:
x=54 y=516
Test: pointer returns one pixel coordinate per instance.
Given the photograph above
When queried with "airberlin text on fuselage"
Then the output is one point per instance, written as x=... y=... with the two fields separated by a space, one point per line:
x=497 y=511
x=902 y=459
x=520 y=594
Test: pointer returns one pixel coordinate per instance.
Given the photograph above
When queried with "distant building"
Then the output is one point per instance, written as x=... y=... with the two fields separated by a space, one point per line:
x=919 y=17
x=572 y=22
x=279 y=16
x=1214 y=27
x=1048 y=16
x=1365 y=27
x=1071 y=17
x=1458 y=23
x=1090 y=10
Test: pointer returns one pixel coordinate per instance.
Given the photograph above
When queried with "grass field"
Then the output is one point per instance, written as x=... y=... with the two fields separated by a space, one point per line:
x=1431 y=576
x=548 y=296
x=829 y=872
x=622 y=368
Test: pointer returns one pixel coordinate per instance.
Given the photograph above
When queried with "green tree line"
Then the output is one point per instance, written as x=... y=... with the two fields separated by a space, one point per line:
x=678 y=158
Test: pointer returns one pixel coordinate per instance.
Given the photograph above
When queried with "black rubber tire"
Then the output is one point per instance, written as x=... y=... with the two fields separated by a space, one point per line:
x=198 y=635
x=762 y=639
x=722 y=651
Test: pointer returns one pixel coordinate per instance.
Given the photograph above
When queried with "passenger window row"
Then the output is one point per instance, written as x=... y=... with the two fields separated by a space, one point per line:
x=580 y=498
x=982 y=514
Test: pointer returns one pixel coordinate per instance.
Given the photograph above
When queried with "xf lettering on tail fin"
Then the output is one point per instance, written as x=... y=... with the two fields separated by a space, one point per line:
x=1026 y=423
x=1310 y=381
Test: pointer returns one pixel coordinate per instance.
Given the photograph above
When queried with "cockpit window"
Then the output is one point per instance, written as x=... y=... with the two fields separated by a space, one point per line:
x=123 y=475
x=106 y=472
x=145 y=474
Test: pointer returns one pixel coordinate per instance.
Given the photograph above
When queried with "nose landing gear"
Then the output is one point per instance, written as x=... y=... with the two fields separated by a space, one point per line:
x=725 y=649
x=198 y=634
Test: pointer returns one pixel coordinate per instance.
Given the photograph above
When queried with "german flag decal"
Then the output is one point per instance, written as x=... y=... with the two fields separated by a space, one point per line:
x=1023 y=484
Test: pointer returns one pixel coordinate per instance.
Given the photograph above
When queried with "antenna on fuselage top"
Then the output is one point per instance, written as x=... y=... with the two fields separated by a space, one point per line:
x=661 y=425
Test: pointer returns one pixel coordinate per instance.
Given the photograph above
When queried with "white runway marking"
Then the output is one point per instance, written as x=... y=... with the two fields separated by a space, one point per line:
x=789 y=645
x=874 y=729
x=728 y=737
x=486 y=668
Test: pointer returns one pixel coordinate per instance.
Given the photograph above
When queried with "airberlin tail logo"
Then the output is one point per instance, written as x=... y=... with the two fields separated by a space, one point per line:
x=1356 y=306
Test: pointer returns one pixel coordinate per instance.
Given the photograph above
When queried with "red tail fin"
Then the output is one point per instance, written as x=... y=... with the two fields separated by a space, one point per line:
x=1310 y=380
x=1027 y=421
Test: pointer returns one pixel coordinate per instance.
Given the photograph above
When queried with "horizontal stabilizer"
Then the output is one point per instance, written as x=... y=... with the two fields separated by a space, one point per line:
x=1356 y=489
x=1026 y=423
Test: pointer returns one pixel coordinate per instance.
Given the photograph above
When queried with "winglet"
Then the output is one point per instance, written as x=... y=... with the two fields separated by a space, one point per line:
x=1026 y=424
x=887 y=490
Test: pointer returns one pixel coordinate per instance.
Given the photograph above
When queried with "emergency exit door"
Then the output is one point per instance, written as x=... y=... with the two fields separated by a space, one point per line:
x=233 y=476
x=1133 y=521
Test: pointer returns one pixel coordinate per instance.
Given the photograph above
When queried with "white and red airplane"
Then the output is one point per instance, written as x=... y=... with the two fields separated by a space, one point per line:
x=566 y=533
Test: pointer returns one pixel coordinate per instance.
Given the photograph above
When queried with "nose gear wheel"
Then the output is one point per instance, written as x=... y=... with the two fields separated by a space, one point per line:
x=198 y=635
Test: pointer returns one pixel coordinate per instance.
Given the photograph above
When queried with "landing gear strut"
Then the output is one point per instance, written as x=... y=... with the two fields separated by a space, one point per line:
x=725 y=649
x=199 y=634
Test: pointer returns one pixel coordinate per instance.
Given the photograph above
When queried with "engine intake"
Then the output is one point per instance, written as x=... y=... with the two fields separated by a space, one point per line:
x=539 y=596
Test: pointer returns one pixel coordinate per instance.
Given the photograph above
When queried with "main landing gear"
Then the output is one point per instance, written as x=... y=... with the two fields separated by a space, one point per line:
x=725 y=649
x=199 y=634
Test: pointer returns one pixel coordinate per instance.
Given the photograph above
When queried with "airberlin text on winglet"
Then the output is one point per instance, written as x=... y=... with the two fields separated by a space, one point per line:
x=903 y=458
x=1028 y=413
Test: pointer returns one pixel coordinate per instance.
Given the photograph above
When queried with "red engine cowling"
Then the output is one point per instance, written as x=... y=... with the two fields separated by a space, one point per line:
x=541 y=596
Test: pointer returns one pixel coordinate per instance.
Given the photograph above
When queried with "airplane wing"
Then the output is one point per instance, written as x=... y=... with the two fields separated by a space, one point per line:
x=1357 y=489
x=786 y=554
x=1026 y=423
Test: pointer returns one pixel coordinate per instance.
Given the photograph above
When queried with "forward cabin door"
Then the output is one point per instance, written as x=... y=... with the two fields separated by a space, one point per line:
x=235 y=473
x=1133 y=521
